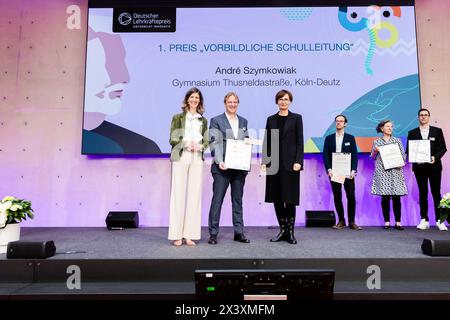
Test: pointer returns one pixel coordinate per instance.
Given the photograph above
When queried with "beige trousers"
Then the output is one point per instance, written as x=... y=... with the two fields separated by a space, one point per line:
x=186 y=197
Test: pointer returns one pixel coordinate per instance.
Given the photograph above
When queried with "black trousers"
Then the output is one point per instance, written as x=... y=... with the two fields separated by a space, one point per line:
x=349 y=187
x=422 y=177
x=386 y=207
x=284 y=210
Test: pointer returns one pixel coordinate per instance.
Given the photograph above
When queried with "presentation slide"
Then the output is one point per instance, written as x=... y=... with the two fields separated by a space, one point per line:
x=356 y=61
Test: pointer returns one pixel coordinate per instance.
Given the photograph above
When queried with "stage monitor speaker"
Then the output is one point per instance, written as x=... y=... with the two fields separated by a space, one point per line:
x=318 y=218
x=118 y=220
x=264 y=284
x=30 y=249
x=436 y=247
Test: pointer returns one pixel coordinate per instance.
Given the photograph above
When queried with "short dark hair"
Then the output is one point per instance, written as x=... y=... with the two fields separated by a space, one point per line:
x=423 y=109
x=280 y=94
x=381 y=125
x=341 y=115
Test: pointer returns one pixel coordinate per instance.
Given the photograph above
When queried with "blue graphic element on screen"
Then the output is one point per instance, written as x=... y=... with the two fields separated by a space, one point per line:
x=347 y=24
x=296 y=14
x=396 y=100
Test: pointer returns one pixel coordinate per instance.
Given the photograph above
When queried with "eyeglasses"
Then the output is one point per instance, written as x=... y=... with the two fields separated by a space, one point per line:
x=284 y=99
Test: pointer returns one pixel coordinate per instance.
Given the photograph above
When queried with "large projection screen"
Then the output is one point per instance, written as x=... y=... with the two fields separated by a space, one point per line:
x=360 y=61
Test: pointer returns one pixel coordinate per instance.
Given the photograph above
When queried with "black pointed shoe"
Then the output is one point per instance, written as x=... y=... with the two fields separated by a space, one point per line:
x=241 y=238
x=212 y=240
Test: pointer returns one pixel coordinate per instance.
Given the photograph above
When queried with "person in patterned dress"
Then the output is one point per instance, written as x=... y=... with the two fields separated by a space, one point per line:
x=389 y=184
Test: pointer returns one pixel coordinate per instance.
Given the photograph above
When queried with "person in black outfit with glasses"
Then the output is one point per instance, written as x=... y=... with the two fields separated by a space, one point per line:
x=431 y=171
x=282 y=162
x=342 y=142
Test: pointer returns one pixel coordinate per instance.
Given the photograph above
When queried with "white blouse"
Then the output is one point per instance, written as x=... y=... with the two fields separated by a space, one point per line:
x=193 y=127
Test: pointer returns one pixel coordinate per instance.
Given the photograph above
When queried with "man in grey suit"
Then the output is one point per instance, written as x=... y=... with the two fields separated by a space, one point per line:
x=228 y=125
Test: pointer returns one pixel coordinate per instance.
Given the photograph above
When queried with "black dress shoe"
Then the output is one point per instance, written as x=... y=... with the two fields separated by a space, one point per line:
x=212 y=240
x=241 y=238
x=399 y=227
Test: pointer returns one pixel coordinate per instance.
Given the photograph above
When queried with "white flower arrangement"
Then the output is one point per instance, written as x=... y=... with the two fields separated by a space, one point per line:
x=444 y=205
x=13 y=210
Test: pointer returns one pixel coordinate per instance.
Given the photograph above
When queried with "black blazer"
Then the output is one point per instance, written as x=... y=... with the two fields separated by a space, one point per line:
x=348 y=146
x=292 y=148
x=437 y=145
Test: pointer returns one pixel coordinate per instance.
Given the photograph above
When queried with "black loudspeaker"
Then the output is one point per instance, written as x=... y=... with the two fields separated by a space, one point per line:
x=320 y=218
x=436 y=247
x=118 y=220
x=30 y=249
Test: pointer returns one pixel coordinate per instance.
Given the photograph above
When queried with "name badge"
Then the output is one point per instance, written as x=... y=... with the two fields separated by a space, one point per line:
x=347 y=144
x=432 y=138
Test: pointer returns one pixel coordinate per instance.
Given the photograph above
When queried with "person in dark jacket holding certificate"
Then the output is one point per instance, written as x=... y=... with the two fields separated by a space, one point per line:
x=341 y=142
x=431 y=171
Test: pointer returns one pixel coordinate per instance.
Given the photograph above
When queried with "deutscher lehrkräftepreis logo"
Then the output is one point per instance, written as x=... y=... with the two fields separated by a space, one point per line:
x=144 y=20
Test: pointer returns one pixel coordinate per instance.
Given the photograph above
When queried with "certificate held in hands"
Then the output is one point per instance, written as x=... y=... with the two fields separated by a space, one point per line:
x=340 y=166
x=238 y=155
x=341 y=163
x=419 y=151
x=391 y=156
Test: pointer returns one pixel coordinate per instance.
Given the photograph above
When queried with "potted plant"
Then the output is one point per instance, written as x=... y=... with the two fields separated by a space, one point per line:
x=444 y=206
x=13 y=211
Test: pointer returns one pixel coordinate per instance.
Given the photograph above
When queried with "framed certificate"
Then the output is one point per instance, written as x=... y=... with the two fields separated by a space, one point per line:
x=341 y=163
x=238 y=155
x=391 y=156
x=419 y=151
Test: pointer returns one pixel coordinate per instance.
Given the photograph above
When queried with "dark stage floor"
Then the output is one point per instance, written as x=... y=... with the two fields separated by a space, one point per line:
x=141 y=263
x=152 y=243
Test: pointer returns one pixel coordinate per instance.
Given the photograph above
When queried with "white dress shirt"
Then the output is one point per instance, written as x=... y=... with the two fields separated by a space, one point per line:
x=234 y=123
x=425 y=133
x=339 y=140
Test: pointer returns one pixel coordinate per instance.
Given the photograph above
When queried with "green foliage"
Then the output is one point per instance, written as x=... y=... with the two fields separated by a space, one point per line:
x=13 y=210
x=444 y=206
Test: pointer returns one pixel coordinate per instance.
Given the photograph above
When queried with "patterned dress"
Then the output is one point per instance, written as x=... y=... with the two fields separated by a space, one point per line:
x=392 y=181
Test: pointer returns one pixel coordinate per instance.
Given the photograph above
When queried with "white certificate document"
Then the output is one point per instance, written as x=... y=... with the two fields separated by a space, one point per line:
x=238 y=155
x=338 y=179
x=341 y=163
x=419 y=151
x=391 y=156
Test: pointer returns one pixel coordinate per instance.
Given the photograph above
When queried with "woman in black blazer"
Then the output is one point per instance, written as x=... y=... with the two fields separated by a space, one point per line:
x=282 y=162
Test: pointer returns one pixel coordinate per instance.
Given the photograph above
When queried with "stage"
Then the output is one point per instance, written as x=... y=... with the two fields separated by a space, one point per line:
x=141 y=263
